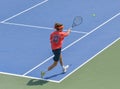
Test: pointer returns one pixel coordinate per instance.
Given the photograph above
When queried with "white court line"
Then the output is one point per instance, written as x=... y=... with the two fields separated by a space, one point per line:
x=40 y=27
x=90 y=59
x=24 y=11
x=25 y=25
x=73 y=43
x=17 y=75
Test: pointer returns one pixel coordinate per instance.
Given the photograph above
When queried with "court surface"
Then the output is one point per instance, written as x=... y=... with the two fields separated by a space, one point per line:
x=25 y=27
x=102 y=72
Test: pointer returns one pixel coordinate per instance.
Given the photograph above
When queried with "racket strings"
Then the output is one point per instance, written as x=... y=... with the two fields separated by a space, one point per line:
x=77 y=21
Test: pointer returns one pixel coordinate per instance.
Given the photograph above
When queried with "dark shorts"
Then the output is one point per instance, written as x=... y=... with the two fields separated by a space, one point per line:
x=56 y=53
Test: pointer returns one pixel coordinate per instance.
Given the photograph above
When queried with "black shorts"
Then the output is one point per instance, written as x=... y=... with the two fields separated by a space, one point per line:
x=56 y=53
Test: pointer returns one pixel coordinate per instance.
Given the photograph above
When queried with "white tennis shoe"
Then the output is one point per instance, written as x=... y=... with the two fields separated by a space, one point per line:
x=65 y=68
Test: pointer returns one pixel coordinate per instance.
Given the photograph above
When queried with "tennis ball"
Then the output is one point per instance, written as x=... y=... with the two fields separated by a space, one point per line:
x=93 y=14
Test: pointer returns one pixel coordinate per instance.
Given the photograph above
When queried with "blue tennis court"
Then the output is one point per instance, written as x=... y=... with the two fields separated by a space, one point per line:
x=25 y=30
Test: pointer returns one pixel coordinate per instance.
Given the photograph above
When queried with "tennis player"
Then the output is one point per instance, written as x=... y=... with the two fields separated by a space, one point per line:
x=56 y=40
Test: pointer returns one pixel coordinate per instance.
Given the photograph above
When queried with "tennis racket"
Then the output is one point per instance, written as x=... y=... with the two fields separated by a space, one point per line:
x=76 y=21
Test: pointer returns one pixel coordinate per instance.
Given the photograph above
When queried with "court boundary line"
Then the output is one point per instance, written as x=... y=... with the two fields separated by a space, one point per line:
x=113 y=17
x=29 y=77
x=26 y=10
x=39 y=27
x=91 y=58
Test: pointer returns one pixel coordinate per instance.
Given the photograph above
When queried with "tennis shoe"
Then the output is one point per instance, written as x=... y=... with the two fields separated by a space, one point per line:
x=65 y=68
x=42 y=74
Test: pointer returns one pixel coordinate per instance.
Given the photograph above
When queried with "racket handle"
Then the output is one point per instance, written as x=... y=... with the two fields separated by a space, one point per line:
x=69 y=31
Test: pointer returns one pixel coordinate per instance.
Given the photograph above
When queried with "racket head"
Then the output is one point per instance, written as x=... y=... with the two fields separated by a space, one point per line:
x=77 y=21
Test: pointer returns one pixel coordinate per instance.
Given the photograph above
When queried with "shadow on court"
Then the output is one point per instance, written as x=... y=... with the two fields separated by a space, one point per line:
x=55 y=75
x=34 y=82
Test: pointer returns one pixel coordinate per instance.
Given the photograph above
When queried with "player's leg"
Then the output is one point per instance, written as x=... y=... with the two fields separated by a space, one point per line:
x=55 y=58
x=52 y=66
x=61 y=63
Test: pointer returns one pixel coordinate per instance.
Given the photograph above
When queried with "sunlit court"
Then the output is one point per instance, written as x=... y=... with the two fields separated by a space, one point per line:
x=25 y=28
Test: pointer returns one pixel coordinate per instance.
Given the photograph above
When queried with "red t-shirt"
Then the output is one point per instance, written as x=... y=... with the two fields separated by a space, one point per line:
x=56 y=39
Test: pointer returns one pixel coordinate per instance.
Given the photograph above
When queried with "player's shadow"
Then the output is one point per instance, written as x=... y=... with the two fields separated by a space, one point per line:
x=55 y=75
x=34 y=82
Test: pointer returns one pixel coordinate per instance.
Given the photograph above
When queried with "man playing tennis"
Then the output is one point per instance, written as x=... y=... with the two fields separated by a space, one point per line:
x=56 y=40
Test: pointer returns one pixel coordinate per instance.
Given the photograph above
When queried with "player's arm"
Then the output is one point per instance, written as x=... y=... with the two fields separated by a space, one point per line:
x=64 y=34
x=68 y=31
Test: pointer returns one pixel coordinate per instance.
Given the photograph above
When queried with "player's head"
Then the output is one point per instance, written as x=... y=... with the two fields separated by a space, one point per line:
x=58 y=26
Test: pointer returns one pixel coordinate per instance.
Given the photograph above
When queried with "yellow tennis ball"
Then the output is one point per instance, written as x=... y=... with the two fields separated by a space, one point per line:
x=93 y=14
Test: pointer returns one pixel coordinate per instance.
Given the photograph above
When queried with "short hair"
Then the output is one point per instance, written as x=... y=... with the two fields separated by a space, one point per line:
x=58 y=26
